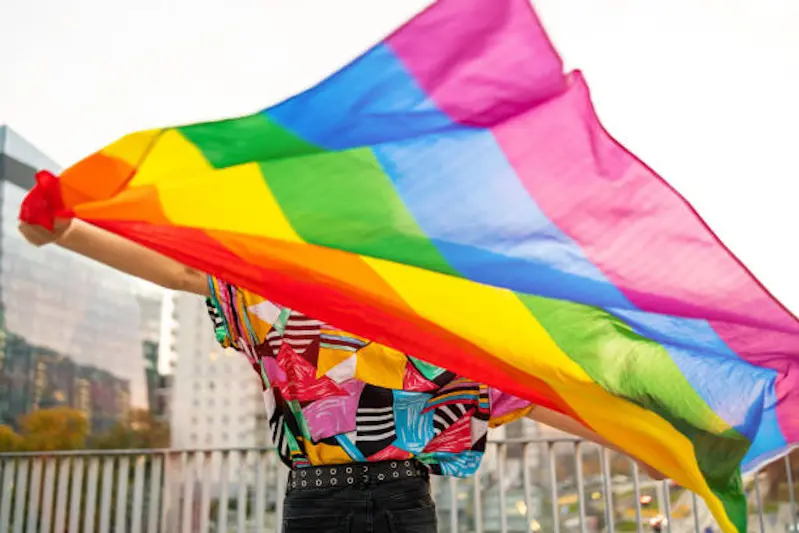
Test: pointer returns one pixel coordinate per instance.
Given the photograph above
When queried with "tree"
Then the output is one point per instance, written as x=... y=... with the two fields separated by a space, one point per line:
x=141 y=431
x=10 y=441
x=60 y=428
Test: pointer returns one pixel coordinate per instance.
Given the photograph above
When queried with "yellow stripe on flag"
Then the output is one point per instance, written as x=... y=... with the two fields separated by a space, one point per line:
x=131 y=148
x=172 y=157
x=238 y=197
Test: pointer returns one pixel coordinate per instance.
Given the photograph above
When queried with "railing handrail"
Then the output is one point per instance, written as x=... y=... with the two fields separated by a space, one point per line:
x=172 y=451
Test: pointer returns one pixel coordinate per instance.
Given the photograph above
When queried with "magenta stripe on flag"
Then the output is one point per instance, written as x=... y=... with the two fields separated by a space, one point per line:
x=646 y=238
x=491 y=78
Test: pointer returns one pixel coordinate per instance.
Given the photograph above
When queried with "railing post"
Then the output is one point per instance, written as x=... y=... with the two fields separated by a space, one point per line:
x=106 y=493
x=665 y=487
x=639 y=515
x=75 y=493
x=578 y=468
x=170 y=512
x=62 y=494
x=453 y=505
x=91 y=495
x=123 y=477
x=21 y=495
x=607 y=488
x=137 y=510
x=528 y=491
x=759 y=502
x=553 y=486
x=9 y=465
x=47 y=494
x=260 y=491
x=791 y=495
x=33 y=495
x=503 y=519
x=206 y=469
x=224 y=480
x=241 y=493
x=155 y=504
x=478 y=503
x=187 y=465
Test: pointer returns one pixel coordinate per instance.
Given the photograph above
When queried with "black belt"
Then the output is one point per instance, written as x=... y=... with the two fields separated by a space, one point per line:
x=354 y=474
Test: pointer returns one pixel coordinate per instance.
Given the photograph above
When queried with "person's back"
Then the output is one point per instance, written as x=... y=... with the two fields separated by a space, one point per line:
x=360 y=422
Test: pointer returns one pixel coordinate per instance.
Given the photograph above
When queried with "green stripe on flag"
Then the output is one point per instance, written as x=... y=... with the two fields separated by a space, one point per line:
x=244 y=140
x=344 y=200
x=641 y=370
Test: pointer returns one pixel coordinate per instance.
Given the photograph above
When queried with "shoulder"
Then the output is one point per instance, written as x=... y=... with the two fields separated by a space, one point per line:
x=242 y=317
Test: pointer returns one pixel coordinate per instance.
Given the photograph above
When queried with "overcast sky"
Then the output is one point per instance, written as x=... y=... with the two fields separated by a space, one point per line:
x=706 y=91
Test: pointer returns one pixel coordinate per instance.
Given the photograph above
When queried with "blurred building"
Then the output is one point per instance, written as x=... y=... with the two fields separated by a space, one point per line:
x=69 y=327
x=151 y=315
x=216 y=399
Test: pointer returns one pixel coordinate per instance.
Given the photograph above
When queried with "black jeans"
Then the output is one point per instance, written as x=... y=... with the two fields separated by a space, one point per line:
x=402 y=506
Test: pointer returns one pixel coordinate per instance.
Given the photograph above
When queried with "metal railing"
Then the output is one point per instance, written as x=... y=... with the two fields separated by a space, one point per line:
x=532 y=485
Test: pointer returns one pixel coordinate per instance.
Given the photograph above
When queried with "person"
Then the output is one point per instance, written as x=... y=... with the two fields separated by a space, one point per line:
x=360 y=425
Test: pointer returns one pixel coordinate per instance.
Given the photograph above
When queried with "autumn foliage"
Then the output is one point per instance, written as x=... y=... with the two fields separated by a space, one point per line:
x=62 y=428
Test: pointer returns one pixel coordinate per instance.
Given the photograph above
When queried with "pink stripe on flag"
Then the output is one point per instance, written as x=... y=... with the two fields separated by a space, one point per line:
x=643 y=236
x=506 y=66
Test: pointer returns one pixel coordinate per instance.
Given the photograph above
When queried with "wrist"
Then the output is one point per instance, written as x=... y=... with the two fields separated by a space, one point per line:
x=61 y=229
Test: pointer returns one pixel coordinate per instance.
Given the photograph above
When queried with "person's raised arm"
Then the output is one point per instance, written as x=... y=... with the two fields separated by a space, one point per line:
x=563 y=423
x=118 y=253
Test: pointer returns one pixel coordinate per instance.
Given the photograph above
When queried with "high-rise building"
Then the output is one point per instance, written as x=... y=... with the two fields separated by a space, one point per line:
x=150 y=316
x=216 y=399
x=69 y=327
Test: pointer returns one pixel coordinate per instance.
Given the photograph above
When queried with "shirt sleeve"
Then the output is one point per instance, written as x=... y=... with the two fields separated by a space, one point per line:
x=241 y=319
x=506 y=408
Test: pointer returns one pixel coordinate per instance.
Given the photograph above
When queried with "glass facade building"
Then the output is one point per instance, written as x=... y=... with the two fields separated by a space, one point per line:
x=69 y=328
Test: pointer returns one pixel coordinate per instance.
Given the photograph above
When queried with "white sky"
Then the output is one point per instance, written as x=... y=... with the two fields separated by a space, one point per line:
x=706 y=91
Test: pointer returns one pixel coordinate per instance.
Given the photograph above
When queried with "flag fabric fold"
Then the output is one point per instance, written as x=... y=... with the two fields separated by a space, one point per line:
x=452 y=194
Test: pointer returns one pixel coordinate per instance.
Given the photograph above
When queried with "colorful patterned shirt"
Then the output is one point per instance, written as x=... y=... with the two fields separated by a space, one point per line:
x=333 y=397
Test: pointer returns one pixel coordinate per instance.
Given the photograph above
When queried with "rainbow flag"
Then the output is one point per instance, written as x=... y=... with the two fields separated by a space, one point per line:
x=451 y=193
